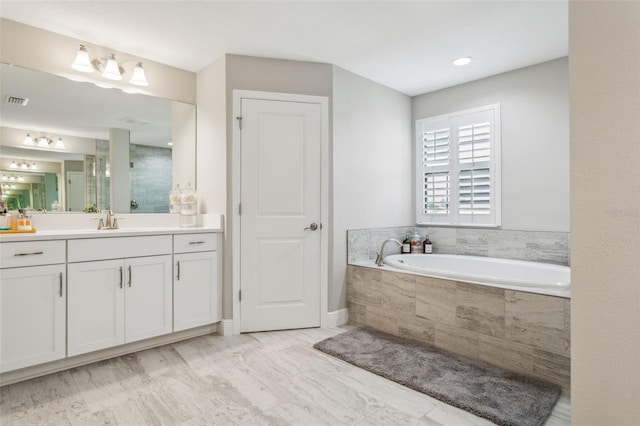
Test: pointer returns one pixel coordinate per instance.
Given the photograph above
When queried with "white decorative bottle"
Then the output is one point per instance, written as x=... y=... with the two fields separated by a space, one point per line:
x=188 y=206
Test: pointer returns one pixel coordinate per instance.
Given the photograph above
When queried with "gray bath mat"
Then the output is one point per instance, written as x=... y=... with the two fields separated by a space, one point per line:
x=487 y=391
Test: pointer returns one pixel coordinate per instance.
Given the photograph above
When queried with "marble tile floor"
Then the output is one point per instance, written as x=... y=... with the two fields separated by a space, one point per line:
x=269 y=378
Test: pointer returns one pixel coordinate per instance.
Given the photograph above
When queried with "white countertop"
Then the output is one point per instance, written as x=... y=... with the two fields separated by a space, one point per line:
x=69 y=234
x=77 y=226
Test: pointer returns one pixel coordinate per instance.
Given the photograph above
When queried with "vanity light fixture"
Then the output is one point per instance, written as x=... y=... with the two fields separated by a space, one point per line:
x=44 y=142
x=109 y=68
x=138 y=78
x=459 y=62
x=112 y=69
x=83 y=61
x=13 y=165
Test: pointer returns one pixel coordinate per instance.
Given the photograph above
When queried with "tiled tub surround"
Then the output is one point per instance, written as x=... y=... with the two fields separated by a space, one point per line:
x=535 y=246
x=520 y=331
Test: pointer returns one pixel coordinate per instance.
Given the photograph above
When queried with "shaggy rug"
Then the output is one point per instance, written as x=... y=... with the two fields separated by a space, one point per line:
x=500 y=396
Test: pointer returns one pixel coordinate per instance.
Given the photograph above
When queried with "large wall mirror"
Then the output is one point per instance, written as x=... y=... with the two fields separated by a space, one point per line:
x=71 y=146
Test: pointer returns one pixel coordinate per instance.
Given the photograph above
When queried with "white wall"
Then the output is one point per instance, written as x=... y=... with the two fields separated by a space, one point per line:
x=372 y=166
x=604 y=41
x=534 y=106
x=211 y=146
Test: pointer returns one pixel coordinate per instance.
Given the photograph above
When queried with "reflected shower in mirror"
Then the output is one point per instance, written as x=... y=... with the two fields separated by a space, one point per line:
x=93 y=148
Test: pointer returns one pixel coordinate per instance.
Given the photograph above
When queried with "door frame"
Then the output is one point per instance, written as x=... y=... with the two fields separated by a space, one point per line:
x=238 y=95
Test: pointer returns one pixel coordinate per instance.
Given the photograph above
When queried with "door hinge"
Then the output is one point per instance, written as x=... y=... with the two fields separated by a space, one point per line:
x=239 y=122
x=240 y=209
x=240 y=295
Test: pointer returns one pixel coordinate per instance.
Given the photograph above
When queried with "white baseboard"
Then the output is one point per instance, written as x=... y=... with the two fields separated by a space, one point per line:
x=337 y=318
x=225 y=327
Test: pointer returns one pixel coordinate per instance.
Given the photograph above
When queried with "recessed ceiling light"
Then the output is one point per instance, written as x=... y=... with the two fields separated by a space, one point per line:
x=170 y=143
x=461 y=61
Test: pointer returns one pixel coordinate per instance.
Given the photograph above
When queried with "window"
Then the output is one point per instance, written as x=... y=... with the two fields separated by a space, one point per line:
x=458 y=168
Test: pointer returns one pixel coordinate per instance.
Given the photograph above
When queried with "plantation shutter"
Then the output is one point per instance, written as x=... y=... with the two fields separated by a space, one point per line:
x=458 y=168
x=434 y=178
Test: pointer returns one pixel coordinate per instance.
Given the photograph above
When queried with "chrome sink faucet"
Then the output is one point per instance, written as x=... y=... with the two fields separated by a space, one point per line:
x=379 y=258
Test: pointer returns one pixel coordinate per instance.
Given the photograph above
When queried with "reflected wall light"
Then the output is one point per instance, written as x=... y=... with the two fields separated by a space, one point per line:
x=109 y=68
x=22 y=165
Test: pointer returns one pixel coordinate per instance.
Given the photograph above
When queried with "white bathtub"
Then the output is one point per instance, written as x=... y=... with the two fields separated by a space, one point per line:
x=517 y=274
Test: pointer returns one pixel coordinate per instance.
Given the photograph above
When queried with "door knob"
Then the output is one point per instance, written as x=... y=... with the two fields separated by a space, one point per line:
x=313 y=227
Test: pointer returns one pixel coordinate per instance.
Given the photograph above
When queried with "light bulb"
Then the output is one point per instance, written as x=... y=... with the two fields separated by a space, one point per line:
x=461 y=61
x=138 y=78
x=82 y=62
x=112 y=70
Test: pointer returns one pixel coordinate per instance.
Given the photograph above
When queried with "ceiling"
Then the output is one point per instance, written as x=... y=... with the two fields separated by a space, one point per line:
x=405 y=45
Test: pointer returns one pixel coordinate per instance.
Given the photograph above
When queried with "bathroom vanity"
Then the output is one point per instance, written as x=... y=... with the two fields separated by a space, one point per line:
x=70 y=297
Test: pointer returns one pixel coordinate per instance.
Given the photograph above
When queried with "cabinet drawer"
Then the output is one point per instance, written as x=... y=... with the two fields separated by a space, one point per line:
x=83 y=250
x=31 y=253
x=188 y=243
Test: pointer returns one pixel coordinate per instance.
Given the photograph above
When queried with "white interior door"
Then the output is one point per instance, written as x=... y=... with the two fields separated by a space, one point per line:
x=75 y=191
x=280 y=220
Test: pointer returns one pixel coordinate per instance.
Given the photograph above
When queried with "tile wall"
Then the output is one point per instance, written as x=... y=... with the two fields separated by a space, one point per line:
x=537 y=246
x=522 y=332
x=150 y=178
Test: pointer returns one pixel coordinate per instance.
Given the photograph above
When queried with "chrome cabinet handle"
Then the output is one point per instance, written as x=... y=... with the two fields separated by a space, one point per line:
x=60 y=284
x=29 y=254
x=178 y=277
x=129 y=275
x=312 y=227
x=195 y=242
x=121 y=277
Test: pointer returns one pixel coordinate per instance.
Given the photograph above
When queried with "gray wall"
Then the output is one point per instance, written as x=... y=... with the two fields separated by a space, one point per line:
x=534 y=107
x=217 y=82
x=372 y=166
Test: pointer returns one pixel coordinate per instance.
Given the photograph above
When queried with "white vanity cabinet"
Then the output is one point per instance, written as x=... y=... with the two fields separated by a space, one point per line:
x=32 y=303
x=196 y=290
x=119 y=291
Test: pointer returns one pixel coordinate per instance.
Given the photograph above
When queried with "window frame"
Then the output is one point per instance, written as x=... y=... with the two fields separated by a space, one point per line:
x=453 y=121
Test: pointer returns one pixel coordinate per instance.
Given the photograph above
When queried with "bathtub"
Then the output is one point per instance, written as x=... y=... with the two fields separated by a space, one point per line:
x=518 y=274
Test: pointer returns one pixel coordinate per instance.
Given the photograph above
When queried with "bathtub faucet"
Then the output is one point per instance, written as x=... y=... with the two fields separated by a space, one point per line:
x=379 y=259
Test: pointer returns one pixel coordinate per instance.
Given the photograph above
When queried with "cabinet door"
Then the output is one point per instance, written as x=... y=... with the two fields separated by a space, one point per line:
x=196 y=292
x=95 y=306
x=32 y=316
x=148 y=303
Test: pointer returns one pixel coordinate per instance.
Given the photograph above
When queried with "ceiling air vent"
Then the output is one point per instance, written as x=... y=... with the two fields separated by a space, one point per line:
x=15 y=100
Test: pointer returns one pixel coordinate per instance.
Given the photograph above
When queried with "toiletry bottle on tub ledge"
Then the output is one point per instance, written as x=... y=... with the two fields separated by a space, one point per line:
x=416 y=242
x=406 y=245
x=427 y=247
